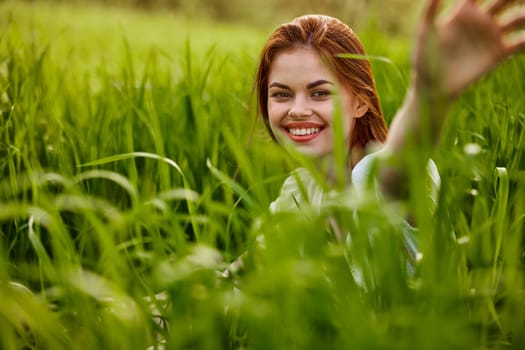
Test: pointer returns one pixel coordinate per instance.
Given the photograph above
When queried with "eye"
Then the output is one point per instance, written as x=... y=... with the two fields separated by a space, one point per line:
x=321 y=93
x=280 y=95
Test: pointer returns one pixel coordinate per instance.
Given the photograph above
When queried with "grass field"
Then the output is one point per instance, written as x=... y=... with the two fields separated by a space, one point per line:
x=133 y=170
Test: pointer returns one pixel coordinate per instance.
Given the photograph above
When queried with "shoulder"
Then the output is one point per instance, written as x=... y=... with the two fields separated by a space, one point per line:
x=364 y=175
x=363 y=172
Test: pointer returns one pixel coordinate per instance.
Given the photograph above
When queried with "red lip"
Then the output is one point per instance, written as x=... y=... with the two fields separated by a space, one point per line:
x=302 y=125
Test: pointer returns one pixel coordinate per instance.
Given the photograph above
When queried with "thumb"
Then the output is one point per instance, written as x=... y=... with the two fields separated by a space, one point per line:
x=426 y=68
x=425 y=28
x=431 y=11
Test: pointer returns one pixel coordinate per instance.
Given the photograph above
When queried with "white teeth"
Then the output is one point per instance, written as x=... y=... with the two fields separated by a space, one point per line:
x=303 y=131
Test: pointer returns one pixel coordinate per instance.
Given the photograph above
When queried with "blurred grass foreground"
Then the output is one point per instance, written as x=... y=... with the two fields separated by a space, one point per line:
x=133 y=173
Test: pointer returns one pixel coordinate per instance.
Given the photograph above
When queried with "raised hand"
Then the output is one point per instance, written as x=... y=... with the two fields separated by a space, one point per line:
x=453 y=52
x=450 y=54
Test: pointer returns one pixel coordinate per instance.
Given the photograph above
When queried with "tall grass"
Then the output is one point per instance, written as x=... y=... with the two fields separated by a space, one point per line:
x=128 y=186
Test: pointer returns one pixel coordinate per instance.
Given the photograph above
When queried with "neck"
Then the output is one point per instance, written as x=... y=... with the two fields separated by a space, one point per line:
x=334 y=175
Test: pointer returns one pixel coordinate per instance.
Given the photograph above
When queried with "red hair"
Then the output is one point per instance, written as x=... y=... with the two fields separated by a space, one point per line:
x=329 y=37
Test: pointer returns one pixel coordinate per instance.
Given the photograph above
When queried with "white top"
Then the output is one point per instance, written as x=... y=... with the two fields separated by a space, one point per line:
x=292 y=197
x=301 y=190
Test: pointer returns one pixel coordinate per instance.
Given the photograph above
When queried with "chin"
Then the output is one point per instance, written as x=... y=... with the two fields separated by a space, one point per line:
x=312 y=152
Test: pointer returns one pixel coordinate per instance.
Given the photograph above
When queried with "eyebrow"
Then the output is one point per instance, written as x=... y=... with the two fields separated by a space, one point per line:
x=309 y=86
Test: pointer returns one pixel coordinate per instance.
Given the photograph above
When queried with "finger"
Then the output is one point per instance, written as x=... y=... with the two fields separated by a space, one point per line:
x=496 y=6
x=428 y=19
x=514 y=24
x=431 y=10
x=516 y=46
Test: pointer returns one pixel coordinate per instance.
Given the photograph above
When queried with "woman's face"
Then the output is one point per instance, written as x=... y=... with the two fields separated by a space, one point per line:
x=301 y=97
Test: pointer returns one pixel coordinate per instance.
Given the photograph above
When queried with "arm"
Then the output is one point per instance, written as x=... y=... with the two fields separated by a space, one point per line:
x=450 y=54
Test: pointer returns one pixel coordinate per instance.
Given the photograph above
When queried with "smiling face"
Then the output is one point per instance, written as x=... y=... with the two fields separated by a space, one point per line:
x=301 y=98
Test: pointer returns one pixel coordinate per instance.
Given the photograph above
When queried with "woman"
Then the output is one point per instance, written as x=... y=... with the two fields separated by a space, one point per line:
x=303 y=74
x=311 y=97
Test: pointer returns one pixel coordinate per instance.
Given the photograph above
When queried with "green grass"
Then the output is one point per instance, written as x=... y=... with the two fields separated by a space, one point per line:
x=131 y=164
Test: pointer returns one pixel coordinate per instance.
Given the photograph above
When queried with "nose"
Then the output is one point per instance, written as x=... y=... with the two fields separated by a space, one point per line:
x=300 y=108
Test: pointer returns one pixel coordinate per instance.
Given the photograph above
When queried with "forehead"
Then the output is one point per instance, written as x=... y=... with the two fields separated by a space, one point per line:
x=299 y=64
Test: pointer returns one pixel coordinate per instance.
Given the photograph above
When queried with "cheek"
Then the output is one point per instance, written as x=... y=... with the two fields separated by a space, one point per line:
x=349 y=127
x=274 y=118
x=349 y=131
x=349 y=113
x=274 y=114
